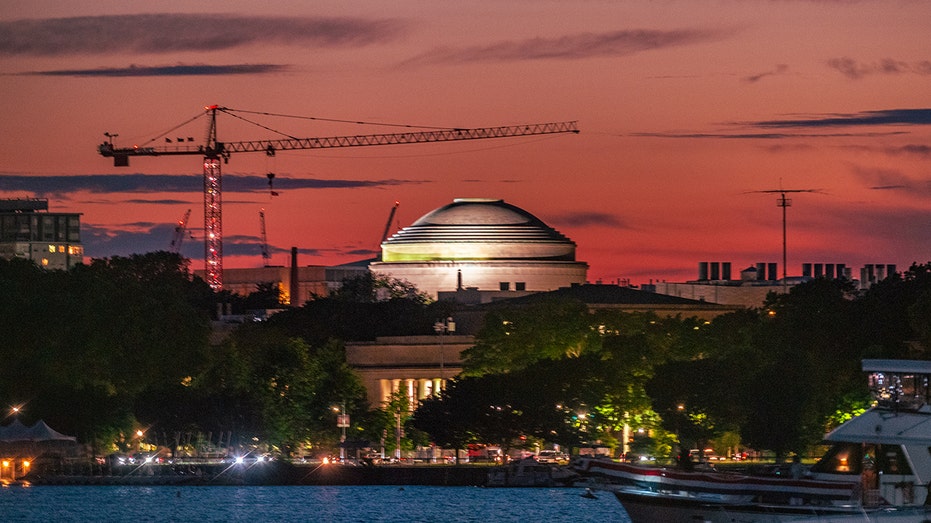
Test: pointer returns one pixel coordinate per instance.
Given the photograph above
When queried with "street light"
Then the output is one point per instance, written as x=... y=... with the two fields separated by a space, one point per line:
x=342 y=422
x=442 y=328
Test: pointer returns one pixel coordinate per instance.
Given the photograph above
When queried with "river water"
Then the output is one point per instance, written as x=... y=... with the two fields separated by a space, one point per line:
x=138 y=504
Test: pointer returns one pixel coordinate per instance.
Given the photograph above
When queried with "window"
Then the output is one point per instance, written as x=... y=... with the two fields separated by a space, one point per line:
x=842 y=458
x=74 y=229
x=505 y=285
x=520 y=286
x=48 y=228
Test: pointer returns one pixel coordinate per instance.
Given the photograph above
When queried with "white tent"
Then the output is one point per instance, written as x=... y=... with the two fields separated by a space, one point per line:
x=40 y=431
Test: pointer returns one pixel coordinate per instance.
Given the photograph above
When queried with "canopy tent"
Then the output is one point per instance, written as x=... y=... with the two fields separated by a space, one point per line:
x=33 y=441
x=40 y=431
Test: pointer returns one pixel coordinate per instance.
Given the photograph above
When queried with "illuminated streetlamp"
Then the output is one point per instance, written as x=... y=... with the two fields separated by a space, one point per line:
x=342 y=421
x=15 y=410
x=442 y=328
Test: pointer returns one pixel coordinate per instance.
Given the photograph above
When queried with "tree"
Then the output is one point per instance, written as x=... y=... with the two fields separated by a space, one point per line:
x=371 y=288
x=513 y=338
x=806 y=359
x=91 y=339
x=293 y=385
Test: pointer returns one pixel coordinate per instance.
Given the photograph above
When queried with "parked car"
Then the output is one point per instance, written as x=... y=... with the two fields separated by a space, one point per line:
x=551 y=456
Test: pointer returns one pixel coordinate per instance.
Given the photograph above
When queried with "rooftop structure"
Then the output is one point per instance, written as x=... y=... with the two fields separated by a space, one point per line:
x=716 y=285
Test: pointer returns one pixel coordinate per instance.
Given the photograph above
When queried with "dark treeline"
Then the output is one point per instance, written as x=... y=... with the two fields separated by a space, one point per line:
x=774 y=378
x=125 y=343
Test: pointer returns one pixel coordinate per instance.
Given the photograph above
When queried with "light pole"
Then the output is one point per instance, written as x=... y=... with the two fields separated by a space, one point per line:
x=442 y=328
x=342 y=422
x=397 y=434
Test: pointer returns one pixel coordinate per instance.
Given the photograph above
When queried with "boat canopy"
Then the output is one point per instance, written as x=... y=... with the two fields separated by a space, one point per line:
x=880 y=426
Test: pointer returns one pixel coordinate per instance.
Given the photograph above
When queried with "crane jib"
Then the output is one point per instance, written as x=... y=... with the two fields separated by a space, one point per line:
x=269 y=147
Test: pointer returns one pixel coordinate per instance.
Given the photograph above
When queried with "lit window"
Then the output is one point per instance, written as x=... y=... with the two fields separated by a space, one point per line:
x=51 y=248
x=61 y=248
x=44 y=261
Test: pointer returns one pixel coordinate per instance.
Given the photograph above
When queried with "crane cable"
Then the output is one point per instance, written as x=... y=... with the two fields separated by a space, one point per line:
x=201 y=114
x=407 y=126
x=229 y=111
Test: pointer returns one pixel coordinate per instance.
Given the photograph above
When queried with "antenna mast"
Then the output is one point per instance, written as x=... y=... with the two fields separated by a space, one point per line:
x=784 y=202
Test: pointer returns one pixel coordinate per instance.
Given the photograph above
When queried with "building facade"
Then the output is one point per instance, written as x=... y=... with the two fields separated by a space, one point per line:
x=28 y=230
x=417 y=365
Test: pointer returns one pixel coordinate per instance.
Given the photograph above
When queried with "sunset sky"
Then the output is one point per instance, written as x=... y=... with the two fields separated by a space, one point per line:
x=688 y=109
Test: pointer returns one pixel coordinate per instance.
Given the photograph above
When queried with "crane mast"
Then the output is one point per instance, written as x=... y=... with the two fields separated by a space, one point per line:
x=213 y=151
x=179 y=232
x=394 y=209
x=265 y=256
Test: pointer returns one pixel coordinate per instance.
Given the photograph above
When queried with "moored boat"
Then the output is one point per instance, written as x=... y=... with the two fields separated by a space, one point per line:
x=878 y=469
x=529 y=472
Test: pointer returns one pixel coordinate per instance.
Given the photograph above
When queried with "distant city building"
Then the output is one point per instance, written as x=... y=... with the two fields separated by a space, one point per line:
x=296 y=285
x=480 y=244
x=28 y=230
x=715 y=285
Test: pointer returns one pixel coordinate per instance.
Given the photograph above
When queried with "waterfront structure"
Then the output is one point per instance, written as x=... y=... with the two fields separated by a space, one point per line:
x=28 y=230
x=481 y=244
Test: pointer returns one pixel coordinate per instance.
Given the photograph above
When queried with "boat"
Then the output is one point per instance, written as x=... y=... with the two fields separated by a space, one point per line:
x=877 y=469
x=528 y=472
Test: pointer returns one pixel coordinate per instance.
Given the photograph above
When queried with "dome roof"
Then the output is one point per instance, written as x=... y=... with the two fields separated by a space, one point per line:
x=478 y=229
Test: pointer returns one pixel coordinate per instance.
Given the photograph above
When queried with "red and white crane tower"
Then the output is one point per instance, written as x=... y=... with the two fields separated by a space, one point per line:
x=213 y=151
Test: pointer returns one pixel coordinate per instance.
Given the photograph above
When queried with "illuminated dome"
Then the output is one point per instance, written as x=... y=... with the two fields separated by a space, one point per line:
x=478 y=229
x=484 y=244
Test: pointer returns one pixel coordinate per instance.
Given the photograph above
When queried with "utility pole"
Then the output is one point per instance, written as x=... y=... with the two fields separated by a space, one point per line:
x=784 y=202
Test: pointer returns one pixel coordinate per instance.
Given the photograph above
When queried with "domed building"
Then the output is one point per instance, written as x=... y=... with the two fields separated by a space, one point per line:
x=480 y=244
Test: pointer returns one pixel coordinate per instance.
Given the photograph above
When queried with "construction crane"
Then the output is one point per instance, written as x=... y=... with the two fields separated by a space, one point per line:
x=384 y=235
x=213 y=150
x=180 y=229
x=265 y=256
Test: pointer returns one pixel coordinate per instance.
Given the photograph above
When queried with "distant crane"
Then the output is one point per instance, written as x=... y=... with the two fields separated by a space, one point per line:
x=265 y=256
x=384 y=235
x=214 y=150
x=784 y=202
x=180 y=229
